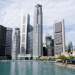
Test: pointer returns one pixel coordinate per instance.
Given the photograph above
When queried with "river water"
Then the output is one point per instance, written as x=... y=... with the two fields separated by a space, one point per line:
x=33 y=68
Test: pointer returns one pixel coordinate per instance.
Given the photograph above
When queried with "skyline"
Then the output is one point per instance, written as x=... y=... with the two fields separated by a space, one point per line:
x=11 y=14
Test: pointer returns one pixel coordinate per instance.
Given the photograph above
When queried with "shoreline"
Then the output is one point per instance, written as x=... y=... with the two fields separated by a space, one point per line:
x=24 y=60
x=72 y=66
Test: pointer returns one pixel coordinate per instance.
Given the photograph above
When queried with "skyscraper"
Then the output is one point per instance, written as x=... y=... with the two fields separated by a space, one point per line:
x=59 y=37
x=26 y=40
x=8 y=47
x=2 y=40
x=16 y=43
x=37 y=32
x=29 y=40
x=23 y=40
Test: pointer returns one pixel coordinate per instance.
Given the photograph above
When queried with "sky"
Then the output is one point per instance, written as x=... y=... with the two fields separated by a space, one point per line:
x=11 y=15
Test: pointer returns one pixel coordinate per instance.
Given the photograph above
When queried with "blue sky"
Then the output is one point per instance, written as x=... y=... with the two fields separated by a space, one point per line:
x=12 y=10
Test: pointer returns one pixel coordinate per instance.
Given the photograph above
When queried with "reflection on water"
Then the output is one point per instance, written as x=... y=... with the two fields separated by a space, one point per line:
x=64 y=71
x=33 y=68
x=5 y=68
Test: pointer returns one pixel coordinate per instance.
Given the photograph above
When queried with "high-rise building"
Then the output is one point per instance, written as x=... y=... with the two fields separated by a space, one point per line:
x=49 y=45
x=26 y=41
x=8 y=47
x=24 y=26
x=15 y=43
x=29 y=40
x=59 y=37
x=2 y=40
x=37 y=32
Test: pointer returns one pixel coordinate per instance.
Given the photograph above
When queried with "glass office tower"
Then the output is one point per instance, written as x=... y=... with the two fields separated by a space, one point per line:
x=37 y=31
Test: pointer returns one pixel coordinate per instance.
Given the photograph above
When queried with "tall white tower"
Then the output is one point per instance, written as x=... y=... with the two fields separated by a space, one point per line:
x=23 y=40
x=59 y=37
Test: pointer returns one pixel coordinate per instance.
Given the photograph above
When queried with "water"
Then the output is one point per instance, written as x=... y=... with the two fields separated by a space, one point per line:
x=33 y=68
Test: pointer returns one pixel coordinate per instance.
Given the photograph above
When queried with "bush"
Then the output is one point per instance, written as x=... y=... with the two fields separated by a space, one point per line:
x=71 y=57
x=63 y=58
x=3 y=58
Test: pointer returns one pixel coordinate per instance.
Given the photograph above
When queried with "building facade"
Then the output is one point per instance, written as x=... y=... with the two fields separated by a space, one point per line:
x=59 y=37
x=73 y=48
x=49 y=45
x=48 y=42
x=29 y=40
x=37 y=32
x=26 y=41
x=52 y=45
x=2 y=40
x=44 y=50
x=23 y=40
x=70 y=47
x=8 y=47
x=15 y=43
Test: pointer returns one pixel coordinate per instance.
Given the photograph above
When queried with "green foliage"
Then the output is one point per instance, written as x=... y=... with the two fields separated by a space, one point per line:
x=71 y=57
x=40 y=59
x=3 y=58
x=63 y=58
x=49 y=58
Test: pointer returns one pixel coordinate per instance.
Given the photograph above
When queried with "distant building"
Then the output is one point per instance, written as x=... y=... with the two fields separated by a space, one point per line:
x=29 y=40
x=52 y=47
x=16 y=43
x=2 y=40
x=8 y=47
x=66 y=48
x=59 y=37
x=37 y=32
x=49 y=45
x=70 y=47
x=73 y=48
x=44 y=50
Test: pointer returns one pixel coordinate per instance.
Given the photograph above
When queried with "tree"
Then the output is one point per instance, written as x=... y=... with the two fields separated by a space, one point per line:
x=63 y=58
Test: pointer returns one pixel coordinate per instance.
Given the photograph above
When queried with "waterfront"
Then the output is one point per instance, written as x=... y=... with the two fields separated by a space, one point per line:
x=33 y=68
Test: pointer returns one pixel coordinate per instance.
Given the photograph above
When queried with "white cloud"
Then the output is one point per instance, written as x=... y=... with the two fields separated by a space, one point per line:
x=11 y=11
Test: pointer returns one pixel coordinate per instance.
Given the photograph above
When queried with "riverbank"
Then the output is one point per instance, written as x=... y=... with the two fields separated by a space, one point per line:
x=66 y=65
x=26 y=60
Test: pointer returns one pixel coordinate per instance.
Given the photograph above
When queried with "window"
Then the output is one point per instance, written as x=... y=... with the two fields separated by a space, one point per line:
x=23 y=38
x=24 y=20
x=23 y=28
